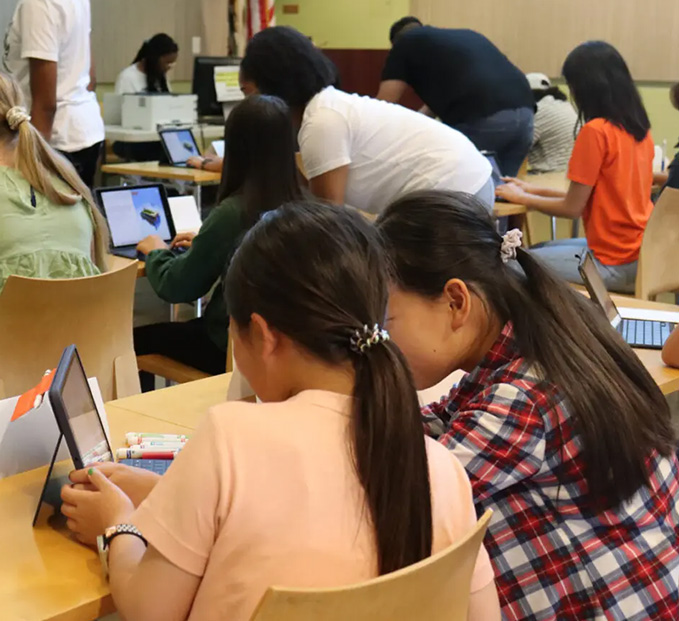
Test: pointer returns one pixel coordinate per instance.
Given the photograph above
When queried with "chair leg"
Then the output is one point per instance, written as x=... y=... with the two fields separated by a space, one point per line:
x=553 y=226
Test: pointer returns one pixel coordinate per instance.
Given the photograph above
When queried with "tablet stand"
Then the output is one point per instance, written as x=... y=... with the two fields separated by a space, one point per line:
x=51 y=490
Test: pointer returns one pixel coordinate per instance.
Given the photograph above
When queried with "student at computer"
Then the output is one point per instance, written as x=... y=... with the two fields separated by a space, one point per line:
x=562 y=431
x=356 y=150
x=611 y=171
x=149 y=69
x=329 y=481
x=49 y=226
x=260 y=175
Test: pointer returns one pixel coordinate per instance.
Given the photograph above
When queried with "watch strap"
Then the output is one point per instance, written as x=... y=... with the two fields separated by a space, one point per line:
x=122 y=529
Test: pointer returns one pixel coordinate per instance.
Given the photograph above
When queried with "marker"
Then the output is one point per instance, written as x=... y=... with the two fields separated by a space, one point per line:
x=145 y=454
x=138 y=438
x=159 y=446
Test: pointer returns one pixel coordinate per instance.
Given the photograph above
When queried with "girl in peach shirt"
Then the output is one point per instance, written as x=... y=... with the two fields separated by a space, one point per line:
x=328 y=482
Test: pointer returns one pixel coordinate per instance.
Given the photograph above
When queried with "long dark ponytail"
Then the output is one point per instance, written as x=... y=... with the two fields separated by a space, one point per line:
x=619 y=411
x=317 y=274
x=150 y=52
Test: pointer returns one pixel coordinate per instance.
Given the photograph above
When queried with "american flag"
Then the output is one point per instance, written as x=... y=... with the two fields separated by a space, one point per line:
x=260 y=15
x=246 y=19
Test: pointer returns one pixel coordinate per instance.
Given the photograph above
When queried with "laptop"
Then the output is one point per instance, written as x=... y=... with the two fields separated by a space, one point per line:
x=179 y=145
x=496 y=174
x=133 y=213
x=78 y=420
x=643 y=328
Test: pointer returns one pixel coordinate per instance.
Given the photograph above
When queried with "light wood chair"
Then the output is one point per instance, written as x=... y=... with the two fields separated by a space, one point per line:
x=169 y=369
x=658 y=270
x=435 y=589
x=39 y=318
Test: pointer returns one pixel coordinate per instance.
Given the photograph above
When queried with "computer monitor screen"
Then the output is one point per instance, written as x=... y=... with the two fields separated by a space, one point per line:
x=204 y=82
x=133 y=213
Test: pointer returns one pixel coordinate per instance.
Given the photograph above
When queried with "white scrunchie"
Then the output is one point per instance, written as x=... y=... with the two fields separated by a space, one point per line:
x=511 y=240
x=16 y=116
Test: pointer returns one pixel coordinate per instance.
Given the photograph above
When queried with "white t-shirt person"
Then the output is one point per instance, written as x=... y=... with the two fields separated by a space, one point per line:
x=58 y=31
x=132 y=80
x=389 y=150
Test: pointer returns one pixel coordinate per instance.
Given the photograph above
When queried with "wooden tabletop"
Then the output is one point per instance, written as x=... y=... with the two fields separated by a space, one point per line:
x=184 y=404
x=154 y=170
x=553 y=180
x=44 y=574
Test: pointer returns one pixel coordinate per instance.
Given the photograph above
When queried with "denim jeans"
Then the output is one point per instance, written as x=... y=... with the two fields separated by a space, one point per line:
x=509 y=133
x=563 y=256
x=487 y=194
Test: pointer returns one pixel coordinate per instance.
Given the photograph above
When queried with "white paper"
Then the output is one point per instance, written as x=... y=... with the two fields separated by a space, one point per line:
x=227 y=86
x=218 y=148
x=649 y=314
x=185 y=214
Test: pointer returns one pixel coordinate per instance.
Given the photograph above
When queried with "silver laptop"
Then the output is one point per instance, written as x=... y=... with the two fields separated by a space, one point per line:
x=639 y=327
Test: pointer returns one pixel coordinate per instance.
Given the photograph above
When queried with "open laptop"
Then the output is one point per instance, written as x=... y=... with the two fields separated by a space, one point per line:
x=78 y=420
x=179 y=145
x=643 y=328
x=133 y=213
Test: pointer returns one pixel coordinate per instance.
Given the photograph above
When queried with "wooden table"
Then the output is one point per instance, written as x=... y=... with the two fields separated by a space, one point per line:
x=184 y=404
x=666 y=377
x=44 y=574
x=153 y=170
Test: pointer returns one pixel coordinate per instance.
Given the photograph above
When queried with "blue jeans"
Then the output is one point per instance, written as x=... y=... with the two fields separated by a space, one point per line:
x=487 y=194
x=509 y=133
x=563 y=256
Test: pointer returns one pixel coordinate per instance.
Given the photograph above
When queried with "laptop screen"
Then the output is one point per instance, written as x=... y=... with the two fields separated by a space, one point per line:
x=179 y=144
x=135 y=213
x=597 y=289
x=497 y=173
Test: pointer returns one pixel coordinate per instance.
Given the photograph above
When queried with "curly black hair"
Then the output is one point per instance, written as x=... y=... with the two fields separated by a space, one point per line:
x=398 y=27
x=283 y=62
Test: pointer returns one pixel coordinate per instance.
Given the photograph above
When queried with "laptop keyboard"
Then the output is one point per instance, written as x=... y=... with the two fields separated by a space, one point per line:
x=644 y=333
x=159 y=466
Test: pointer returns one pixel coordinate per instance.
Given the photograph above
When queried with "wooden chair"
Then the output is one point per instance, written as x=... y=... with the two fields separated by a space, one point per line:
x=435 y=589
x=658 y=270
x=39 y=318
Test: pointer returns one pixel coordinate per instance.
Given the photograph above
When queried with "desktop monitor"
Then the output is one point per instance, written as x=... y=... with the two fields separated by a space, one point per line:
x=204 y=83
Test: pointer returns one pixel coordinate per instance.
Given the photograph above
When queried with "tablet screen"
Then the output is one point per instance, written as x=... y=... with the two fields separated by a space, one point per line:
x=135 y=213
x=180 y=145
x=83 y=418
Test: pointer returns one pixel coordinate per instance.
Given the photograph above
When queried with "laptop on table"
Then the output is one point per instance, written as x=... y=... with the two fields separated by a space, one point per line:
x=639 y=327
x=133 y=213
x=179 y=145
x=78 y=420
x=496 y=174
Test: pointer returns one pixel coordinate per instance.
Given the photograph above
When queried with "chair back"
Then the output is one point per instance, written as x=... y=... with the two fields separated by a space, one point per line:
x=40 y=317
x=658 y=269
x=435 y=589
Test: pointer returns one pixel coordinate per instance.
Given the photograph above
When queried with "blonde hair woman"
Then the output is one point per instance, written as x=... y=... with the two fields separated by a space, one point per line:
x=49 y=226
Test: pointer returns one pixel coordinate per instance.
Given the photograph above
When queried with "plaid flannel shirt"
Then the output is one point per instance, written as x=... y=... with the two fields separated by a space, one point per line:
x=553 y=557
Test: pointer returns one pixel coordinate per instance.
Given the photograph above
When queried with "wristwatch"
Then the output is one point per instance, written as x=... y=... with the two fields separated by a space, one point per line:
x=203 y=163
x=104 y=541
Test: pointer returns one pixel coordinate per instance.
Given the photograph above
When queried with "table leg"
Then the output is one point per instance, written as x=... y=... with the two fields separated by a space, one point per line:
x=575 y=229
x=198 y=193
x=553 y=228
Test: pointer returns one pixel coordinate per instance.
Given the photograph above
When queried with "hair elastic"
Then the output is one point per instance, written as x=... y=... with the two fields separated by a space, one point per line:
x=364 y=338
x=511 y=240
x=16 y=116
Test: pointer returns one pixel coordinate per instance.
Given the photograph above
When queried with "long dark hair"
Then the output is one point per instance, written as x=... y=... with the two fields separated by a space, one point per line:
x=618 y=410
x=259 y=156
x=317 y=274
x=150 y=52
x=283 y=62
x=602 y=87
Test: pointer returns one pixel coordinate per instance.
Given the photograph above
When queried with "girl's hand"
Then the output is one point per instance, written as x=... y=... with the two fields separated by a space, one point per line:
x=183 y=240
x=511 y=193
x=524 y=185
x=135 y=483
x=90 y=513
x=152 y=242
x=195 y=161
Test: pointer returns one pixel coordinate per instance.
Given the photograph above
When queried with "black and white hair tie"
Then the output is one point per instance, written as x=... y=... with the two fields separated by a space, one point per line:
x=364 y=338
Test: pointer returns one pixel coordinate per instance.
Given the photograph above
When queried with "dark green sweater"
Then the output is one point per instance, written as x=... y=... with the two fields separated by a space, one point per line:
x=188 y=277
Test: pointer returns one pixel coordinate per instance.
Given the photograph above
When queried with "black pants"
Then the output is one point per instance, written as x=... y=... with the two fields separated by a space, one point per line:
x=184 y=341
x=86 y=162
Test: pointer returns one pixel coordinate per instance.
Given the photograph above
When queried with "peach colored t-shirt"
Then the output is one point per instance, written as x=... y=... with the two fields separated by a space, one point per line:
x=266 y=494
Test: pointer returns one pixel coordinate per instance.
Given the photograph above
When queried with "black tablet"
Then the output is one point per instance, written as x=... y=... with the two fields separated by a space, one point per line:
x=76 y=413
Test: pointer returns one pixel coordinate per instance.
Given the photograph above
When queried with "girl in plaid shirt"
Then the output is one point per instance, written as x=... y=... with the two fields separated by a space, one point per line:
x=562 y=431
